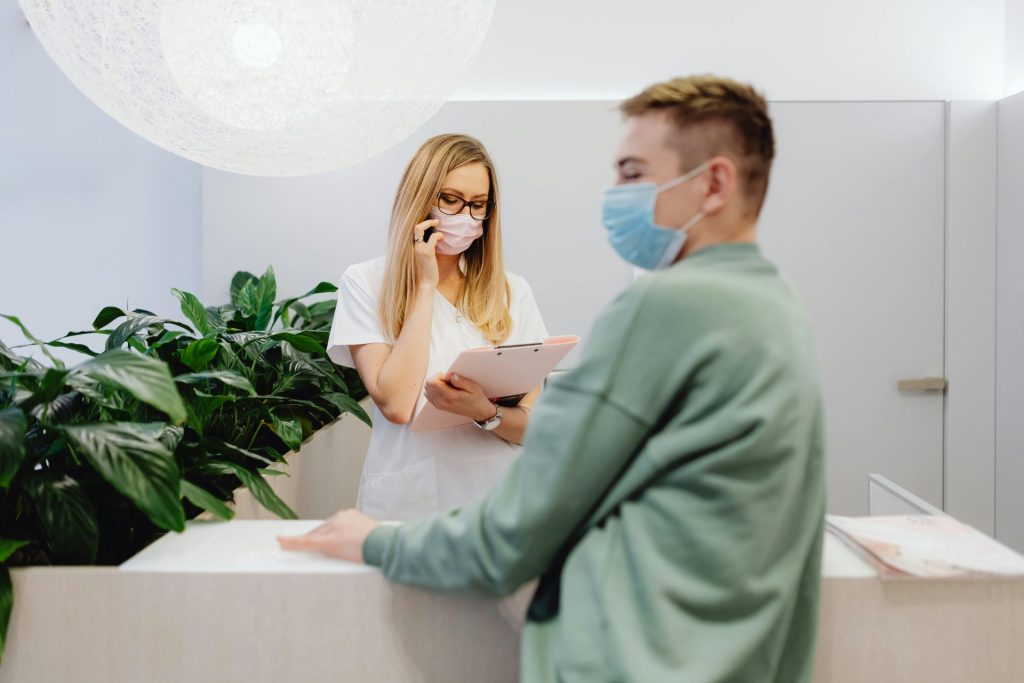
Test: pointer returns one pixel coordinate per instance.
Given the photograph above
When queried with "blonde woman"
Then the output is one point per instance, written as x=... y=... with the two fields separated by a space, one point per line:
x=403 y=318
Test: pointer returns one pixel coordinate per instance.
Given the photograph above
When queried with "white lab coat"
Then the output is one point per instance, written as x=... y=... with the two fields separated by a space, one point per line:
x=411 y=475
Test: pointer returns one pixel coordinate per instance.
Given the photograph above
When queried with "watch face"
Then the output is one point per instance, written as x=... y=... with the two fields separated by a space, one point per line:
x=492 y=423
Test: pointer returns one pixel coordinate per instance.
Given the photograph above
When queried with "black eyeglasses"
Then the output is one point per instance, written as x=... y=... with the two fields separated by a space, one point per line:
x=451 y=204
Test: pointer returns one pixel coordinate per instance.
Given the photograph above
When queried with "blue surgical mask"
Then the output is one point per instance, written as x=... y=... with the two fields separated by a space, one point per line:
x=628 y=214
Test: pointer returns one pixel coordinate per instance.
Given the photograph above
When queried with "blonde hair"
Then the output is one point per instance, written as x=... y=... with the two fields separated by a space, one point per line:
x=485 y=298
x=716 y=116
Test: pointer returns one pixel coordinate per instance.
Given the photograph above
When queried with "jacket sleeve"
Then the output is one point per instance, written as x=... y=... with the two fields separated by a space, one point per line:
x=579 y=440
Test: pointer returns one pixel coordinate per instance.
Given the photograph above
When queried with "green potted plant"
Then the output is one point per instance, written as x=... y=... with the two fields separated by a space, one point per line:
x=163 y=423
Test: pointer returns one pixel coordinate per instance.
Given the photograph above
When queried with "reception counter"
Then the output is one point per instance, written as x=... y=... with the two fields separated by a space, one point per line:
x=221 y=603
x=98 y=625
x=260 y=616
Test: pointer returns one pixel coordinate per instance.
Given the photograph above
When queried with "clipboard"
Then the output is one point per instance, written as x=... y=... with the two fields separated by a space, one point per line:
x=503 y=372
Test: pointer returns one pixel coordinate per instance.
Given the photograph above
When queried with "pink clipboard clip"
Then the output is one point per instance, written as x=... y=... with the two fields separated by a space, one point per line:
x=501 y=371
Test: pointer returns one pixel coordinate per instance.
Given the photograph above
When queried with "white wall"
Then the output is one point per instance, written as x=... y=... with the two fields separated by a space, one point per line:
x=793 y=49
x=90 y=214
x=1010 y=326
x=1014 y=41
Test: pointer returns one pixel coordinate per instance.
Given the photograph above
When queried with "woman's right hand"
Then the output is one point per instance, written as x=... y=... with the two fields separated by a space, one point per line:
x=425 y=256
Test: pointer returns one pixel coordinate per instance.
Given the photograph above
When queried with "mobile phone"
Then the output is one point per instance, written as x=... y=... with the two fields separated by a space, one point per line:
x=509 y=401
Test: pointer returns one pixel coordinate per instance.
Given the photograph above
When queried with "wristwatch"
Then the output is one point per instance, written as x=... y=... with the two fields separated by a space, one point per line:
x=493 y=423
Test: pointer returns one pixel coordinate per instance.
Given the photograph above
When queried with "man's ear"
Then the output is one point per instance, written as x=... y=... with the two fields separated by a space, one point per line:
x=723 y=178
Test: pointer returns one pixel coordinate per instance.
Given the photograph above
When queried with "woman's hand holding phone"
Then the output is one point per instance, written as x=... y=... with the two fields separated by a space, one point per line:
x=426 y=238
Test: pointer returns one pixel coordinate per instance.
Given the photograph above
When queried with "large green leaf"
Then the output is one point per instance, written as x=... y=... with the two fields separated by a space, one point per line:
x=132 y=458
x=9 y=546
x=80 y=348
x=108 y=315
x=61 y=409
x=200 y=353
x=246 y=338
x=67 y=518
x=267 y=472
x=193 y=310
x=170 y=435
x=322 y=336
x=129 y=328
x=202 y=498
x=12 y=444
x=321 y=288
x=215 y=315
x=6 y=605
x=290 y=432
x=347 y=404
x=256 y=300
x=126 y=331
x=248 y=302
x=303 y=341
x=229 y=360
x=10 y=359
x=227 y=448
x=266 y=292
x=229 y=377
x=35 y=340
x=260 y=489
x=94 y=391
x=321 y=312
x=202 y=408
x=320 y=366
x=145 y=378
x=50 y=385
x=166 y=338
x=300 y=311
x=239 y=281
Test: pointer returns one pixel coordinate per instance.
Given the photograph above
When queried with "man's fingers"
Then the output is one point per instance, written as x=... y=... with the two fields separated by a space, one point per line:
x=306 y=542
x=319 y=530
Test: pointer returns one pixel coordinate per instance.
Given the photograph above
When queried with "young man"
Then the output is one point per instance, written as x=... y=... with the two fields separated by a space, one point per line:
x=670 y=495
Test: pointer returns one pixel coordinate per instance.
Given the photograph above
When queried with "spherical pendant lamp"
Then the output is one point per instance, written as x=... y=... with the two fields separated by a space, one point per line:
x=265 y=87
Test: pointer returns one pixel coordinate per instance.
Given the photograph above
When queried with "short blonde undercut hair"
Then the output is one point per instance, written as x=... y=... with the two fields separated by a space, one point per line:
x=716 y=116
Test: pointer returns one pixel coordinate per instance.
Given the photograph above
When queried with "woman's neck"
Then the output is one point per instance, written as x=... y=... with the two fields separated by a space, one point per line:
x=448 y=268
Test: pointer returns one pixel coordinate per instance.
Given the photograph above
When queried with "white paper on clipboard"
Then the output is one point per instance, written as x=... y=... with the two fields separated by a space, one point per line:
x=500 y=371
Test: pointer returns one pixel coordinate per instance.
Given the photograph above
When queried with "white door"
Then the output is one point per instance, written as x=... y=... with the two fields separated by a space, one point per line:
x=855 y=218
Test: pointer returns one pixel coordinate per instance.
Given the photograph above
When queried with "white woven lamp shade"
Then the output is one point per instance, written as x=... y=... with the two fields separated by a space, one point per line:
x=265 y=87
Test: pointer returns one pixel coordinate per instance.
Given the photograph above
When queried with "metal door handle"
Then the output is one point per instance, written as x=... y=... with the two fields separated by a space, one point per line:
x=923 y=384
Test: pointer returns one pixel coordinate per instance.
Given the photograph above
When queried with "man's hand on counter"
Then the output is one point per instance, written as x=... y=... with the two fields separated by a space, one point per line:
x=341 y=536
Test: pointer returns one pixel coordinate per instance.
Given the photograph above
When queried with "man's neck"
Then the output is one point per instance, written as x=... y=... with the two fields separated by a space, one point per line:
x=740 y=233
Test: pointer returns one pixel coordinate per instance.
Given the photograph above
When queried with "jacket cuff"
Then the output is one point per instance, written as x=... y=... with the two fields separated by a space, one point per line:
x=376 y=543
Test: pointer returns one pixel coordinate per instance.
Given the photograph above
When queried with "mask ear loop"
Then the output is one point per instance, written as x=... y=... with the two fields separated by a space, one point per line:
x=699 y=216
x=683 y=178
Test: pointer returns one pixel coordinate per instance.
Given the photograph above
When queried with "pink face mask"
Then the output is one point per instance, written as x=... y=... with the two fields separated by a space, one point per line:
x=460 y=231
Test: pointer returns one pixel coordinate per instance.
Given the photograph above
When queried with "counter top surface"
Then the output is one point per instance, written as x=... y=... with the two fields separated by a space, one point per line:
x=237 y=546
x=251 y=546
